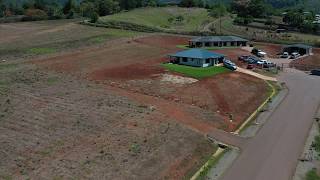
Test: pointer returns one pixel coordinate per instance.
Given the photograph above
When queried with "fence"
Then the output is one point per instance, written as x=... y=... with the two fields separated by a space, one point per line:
x=302 y=67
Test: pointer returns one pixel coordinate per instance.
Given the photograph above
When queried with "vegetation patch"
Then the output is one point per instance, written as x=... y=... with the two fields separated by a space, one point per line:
x=6 y=67
x=41 y=51
x=52 y=80
x=196 y=72
x=210 y=164
x=312 y=175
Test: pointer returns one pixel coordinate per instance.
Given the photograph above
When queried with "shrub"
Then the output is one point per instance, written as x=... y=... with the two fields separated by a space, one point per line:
x=94 y=17
x=34 y=15
x=312 y=175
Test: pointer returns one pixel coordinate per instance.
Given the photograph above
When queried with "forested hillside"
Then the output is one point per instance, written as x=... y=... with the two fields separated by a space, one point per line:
x=20 y=2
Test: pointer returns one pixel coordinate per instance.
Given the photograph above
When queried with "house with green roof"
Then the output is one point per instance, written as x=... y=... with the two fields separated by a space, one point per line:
x=197 y=58
x=217 y=41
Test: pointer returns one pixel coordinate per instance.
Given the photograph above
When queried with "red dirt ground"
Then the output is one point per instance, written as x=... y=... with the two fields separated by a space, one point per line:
x=133 y=70
x=138 y=71
x=271 y=49
x=313 y=60
x=164 y=41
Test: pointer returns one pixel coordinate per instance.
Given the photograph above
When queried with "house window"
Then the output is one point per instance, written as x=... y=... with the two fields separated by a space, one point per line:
x=184 y=59
x=207 y=61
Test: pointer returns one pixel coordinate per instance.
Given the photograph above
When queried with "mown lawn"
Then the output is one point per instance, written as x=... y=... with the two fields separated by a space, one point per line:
x=196 y=72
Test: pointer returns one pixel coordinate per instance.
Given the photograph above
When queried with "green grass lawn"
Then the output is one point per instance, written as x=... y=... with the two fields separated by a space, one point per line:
x=163 y=17
x=196 y=72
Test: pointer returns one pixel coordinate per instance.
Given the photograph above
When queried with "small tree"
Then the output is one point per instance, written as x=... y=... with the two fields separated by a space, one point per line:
x=218 y=11
x=94 y=17
x=2 y=8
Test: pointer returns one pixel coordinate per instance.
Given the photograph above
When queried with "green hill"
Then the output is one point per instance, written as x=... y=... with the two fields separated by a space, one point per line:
x=170 y=18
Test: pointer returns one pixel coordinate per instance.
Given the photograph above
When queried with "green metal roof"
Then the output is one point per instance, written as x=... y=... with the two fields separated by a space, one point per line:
x=217 y=39
x=197 y=53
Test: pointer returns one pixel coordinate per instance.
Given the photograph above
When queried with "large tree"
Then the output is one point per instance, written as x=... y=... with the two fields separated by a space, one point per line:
x=249 y=8
x=69 y=6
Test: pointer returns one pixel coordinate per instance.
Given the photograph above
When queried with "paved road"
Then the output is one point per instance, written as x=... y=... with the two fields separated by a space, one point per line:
x=273 y=153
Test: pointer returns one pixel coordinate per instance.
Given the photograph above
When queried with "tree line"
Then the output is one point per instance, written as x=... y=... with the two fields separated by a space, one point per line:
x=42 y=9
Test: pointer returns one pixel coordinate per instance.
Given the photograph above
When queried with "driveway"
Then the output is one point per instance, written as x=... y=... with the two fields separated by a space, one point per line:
x=246 y=71
x=273 y=153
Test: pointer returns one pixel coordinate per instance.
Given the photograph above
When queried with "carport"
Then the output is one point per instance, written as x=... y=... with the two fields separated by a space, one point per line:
x=302 y=49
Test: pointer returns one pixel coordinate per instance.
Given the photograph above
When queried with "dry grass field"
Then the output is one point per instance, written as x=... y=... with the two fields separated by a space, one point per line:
x=112 y=111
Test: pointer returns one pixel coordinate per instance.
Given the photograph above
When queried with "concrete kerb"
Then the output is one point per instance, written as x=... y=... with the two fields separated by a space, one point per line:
x=253 y=115
x=223 y=150
x=219 y=152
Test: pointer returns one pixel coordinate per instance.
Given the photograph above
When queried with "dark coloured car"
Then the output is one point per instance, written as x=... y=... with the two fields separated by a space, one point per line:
x=243 y=58
x=315 y=72
x=250 y=66
x=230 y=65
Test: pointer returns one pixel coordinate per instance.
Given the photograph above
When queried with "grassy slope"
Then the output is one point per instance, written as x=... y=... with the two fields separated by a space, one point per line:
x=229 y=28
x=196 y=72
x=194 y=18
x=48 y=37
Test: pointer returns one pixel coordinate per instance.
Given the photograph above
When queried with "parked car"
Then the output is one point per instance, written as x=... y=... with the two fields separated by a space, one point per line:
x=255 y=51
x=252 y=60
x=243 y=57
x=258 y=52
x=294 y=55
x=284 y=55
x=230 y=65
x=250 y=66
x=261 y=54
x=261 y=62
x=315 y=72
x=269 y=65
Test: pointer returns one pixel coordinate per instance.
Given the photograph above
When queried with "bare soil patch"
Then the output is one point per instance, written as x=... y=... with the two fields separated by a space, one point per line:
x=138 y=70
x=57 y=126
x=106 y=113
x=309 y=62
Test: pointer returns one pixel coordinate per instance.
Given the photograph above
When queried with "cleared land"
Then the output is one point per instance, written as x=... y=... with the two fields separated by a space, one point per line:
x=30 y=39
x=113 y=112
x=310 y=62
x=253 y=31
x=172 y=18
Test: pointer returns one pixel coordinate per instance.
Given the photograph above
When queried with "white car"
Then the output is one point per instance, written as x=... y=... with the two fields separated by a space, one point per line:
x=261 y=62
x=285 y=55
x=294 y=55
x=261 y=54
